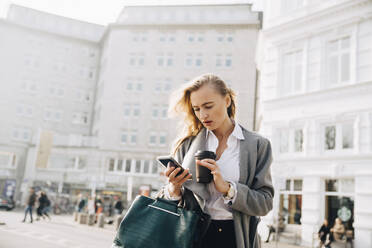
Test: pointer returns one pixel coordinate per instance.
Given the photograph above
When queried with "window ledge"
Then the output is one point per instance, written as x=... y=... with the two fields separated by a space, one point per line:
x=326 y=93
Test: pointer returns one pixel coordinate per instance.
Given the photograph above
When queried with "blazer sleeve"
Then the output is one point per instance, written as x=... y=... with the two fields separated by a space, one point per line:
x=257 y=200
x=179 y=155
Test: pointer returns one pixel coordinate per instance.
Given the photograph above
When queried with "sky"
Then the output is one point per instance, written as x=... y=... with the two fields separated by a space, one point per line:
x=94 y=11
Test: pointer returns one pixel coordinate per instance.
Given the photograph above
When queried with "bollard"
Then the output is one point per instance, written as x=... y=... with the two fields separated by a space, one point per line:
x=118 y=219
x=82 y=218
x=101 y=220
x=91 y=219
x=76 y=216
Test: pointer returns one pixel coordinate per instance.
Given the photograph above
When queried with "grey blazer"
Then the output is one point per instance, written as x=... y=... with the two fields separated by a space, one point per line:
x=255 y=191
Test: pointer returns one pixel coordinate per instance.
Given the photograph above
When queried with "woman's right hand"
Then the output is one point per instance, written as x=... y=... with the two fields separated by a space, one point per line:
x=175 y=182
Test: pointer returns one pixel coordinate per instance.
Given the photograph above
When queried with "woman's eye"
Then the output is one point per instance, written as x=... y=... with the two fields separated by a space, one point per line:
x=196 y=110
x=208 y=107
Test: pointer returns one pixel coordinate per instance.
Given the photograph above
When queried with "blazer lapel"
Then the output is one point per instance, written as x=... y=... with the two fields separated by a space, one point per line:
x=243 y=160
x=199 y=143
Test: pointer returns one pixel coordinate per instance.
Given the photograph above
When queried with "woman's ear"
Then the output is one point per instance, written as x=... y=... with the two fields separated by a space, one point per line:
x=228 y=100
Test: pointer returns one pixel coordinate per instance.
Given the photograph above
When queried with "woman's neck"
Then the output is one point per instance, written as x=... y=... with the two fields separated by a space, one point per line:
x=225 y=130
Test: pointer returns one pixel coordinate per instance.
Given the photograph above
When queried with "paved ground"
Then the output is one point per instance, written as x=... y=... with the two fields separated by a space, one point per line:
x=60 y=232
x=63 y=232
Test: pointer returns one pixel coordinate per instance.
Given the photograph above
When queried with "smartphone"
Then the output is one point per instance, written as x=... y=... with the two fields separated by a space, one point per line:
x=164 y=160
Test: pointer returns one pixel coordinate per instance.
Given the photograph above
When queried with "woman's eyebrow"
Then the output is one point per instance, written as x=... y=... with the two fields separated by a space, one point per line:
x=195 y=106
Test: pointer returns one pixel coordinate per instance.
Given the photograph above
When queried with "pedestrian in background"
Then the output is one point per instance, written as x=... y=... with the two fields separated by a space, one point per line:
x=30 y=204
x=81 y=203
x=47 y=206
x=323 y=233
x=337 y=232
x=118 y=205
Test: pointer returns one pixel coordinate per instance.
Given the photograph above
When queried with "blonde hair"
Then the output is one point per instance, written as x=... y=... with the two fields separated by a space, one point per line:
x=181 y=104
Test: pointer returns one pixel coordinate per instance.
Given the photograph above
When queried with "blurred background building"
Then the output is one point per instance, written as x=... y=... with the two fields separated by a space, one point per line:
x=84 y=107
x=316 y=107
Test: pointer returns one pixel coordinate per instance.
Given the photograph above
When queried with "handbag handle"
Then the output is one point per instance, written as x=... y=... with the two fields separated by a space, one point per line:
x=157 y=204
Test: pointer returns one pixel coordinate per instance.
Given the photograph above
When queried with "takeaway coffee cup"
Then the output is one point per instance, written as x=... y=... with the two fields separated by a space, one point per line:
x=203 y=174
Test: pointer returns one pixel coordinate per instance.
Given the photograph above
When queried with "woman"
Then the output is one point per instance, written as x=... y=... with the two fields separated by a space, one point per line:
x=322 y=233
x=241 y=187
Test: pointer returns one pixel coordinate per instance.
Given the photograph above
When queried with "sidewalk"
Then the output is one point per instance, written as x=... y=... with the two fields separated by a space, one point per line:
x=280 y=245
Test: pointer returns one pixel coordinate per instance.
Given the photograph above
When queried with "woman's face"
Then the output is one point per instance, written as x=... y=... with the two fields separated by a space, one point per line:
x=210 y=107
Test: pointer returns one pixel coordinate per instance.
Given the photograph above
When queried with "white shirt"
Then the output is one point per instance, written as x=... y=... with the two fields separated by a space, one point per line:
x=217 y=206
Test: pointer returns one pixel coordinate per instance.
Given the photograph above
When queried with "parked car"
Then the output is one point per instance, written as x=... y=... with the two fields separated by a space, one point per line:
x=6 y=203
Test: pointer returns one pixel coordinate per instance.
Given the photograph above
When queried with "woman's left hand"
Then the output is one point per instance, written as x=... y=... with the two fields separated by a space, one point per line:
x=221 y=185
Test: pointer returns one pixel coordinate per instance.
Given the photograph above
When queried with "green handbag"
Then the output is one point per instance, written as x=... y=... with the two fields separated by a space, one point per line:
x=158 y=223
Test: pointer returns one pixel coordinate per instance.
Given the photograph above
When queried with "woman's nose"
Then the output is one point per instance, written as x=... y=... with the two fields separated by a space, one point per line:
x=203 y=114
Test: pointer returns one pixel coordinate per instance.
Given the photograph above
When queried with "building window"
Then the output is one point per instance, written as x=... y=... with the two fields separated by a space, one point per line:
x=136 y=59
x=339 y=136
x=330 y=137
x=29 y=86
x=138 y=166
x=338 y=61
x=80 y=118
x=167 y=37
x=52 y=115
x=56 y=91
x=134 y=84
x=132 y=110
x=128 y=163
x=133 y=137
x=298 y=140
x=24 y=110
x=347 y=135
x=284 y=141
x=291 y=78
x=83 y=95
x=339 y=201
x=124 y=137
x=194 y=60
x=139 y=36
x=152 y=140
x=146 y=167
x=111 y=164
x=136 y=110
x=291 y=201
x=7 y=159
x=223 y=60
x=162 y=139
x=165 y=60
x=163 y=85
x=154 y=167
x=128 y=137
x=291 y=140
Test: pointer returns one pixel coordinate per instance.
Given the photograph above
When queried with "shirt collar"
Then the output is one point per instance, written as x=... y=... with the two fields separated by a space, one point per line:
x=237 y=132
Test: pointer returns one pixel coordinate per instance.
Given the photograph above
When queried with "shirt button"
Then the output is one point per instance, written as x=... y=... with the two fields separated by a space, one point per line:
x=219 y=229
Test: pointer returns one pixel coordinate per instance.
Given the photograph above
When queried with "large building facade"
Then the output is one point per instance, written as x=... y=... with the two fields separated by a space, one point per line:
x=94 y=115
x=316 y=104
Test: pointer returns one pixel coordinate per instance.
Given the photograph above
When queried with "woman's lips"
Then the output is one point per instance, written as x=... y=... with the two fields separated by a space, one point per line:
x=207 y=123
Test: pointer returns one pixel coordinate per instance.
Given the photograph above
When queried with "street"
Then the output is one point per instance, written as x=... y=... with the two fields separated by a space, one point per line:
x=61 y=231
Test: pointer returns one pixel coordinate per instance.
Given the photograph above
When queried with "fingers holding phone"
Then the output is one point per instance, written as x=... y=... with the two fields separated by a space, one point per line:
x=177 y=175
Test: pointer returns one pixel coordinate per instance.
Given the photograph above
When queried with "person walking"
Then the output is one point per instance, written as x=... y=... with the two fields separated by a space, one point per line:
x=30 y=204
x=82 y=203
x=47 y=206
x=118 y=205
x=241 y=188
